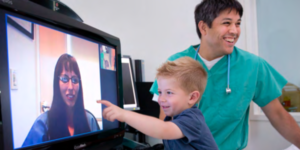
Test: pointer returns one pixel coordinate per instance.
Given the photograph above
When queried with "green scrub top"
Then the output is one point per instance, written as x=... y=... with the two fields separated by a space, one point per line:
x=102 y=63
x=251 y=78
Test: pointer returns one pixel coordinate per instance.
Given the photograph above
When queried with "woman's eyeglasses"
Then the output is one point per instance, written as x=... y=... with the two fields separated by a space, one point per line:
x=65 y=79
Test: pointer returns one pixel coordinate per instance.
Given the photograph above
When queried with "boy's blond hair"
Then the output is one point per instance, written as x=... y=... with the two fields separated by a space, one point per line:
x=189 y=73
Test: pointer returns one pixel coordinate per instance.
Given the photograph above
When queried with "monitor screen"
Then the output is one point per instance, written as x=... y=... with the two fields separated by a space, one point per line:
x=55 y=78
x=129 y=90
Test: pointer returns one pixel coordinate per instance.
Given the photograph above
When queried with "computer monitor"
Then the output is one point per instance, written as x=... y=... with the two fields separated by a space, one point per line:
x=129 y=87
x=53 y=69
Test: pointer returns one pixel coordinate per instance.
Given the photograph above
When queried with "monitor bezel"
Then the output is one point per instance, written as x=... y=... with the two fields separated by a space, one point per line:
x=37 y=12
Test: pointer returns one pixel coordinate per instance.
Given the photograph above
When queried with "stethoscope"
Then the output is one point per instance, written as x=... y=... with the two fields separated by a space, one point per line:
x=228 y=90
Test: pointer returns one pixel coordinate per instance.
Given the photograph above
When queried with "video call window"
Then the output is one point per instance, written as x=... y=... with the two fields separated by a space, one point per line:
x=107 y=58
x=54 y=82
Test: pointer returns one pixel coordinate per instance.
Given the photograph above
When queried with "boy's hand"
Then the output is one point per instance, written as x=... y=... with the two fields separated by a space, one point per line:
x=112 y=112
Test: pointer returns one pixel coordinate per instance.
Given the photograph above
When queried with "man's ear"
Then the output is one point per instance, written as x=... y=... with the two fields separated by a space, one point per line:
x=194 y=96
x=202 y=27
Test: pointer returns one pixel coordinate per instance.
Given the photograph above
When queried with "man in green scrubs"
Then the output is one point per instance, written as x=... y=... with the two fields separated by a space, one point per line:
x=235 y=77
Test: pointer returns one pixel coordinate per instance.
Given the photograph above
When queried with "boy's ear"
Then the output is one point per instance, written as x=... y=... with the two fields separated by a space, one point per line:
x=202 y=27
x=194 y=96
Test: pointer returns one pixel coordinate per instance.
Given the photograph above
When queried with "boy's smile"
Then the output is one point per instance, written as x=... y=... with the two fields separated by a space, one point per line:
x=172 y=98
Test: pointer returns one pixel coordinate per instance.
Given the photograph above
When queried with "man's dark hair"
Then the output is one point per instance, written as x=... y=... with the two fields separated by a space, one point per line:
x=209 y=10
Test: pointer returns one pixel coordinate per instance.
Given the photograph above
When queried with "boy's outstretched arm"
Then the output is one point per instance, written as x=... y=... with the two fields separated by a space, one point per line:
x=146 y=124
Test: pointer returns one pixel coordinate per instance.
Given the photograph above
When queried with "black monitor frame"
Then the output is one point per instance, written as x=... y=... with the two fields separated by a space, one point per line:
x=37 y=12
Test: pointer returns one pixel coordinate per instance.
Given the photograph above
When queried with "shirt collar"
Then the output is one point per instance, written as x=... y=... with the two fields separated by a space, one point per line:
x=168 y=118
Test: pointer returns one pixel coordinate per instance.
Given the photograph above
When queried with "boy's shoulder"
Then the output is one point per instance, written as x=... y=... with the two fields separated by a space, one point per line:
x=192 y=113
x=193 y=126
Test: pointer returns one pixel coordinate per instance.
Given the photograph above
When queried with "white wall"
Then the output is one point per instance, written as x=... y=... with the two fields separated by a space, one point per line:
x=24 y=98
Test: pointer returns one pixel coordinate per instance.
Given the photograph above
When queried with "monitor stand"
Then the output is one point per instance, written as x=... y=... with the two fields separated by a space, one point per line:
x=59 y=7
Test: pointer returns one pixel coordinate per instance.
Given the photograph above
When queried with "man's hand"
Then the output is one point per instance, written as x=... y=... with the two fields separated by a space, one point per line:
x=112 y=112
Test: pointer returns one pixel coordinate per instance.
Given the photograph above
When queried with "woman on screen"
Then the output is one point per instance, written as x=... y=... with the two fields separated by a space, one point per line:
x=67 y=116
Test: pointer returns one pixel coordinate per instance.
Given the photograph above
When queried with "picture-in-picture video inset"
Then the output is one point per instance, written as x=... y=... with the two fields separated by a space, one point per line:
x=107 y=55
x=54 y=83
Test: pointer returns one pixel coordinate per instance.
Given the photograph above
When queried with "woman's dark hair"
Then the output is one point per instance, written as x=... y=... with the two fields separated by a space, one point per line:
x=57 y=115
x=209 y=10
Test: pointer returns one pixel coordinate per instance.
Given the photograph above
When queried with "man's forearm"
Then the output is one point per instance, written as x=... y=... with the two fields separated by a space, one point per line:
x=283 y=122
x=286 y=125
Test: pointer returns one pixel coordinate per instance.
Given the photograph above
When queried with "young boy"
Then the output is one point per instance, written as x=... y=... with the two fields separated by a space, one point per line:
x=180 y=85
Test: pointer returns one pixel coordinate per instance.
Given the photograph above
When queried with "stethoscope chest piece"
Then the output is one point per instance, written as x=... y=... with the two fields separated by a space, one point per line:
x=228 y=90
